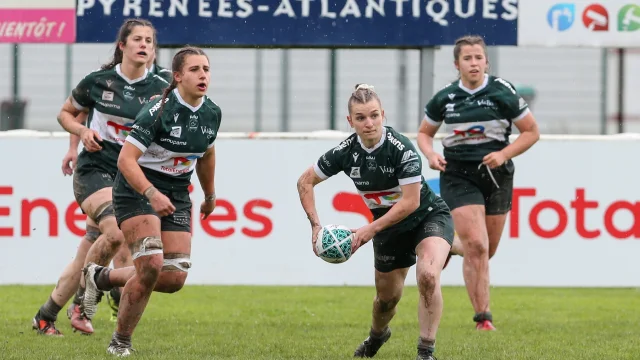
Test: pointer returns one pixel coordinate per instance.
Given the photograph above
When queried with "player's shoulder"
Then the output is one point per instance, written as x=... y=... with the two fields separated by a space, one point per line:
x=98 y=74
x=396 y=141
x=501 y=85
x=345 y=146
x=152 y=108
x=444 y=91
x=210 y=105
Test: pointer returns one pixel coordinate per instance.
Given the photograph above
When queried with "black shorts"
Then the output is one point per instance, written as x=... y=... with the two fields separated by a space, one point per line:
x=463 y=183
x=397 y=249
x=128 y=203
x=86 y=182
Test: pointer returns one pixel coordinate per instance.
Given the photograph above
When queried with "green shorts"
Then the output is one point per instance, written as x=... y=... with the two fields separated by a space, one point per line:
x=397 y=249
x=463 y=183
x=86 y=182
x=128 y=203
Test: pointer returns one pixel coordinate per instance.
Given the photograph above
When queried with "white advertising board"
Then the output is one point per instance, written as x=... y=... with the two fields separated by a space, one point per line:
x=575 y=219
x=610 y=23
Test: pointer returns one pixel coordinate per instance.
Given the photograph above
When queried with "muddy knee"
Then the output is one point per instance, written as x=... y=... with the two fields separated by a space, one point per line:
x=427 y=282
x=175 y=269
x=385 y=303
x=147 y=249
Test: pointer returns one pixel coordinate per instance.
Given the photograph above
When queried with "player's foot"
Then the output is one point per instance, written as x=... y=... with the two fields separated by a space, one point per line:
x=425 y=355
x=45 y=327
x=118 y=348
x=79 y=322
x=446 y=262
x=485 y=325
x=369 y=348
x=92 y=295
x=113 y=299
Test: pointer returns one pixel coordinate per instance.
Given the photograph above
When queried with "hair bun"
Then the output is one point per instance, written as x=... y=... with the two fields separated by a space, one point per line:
x=364 y=87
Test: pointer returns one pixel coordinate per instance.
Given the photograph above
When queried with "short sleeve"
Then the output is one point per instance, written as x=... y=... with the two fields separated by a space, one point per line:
x=328 y=164
x=433 y=112
x=144 y=129
x=218 y=113
x=81 y=94
x=514 y=107
x=408 y=165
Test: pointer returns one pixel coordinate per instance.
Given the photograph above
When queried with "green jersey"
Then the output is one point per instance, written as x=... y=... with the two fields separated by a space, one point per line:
x=113 y=101
x=378 y=173
x=173 y=143
x=477 y=121
x=162 y=72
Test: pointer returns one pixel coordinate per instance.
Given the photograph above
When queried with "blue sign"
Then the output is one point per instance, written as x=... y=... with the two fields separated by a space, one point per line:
x=561 y=16
x=304 y=23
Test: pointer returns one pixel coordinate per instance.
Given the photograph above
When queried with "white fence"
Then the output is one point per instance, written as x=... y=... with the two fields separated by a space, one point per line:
x=575 y=219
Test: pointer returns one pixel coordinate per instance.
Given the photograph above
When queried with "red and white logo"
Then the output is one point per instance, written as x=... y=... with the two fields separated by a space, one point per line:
x=596 y=18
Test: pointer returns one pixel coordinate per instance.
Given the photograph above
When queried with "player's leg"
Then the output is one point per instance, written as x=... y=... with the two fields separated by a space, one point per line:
x=498 y=203
x=462 y=194
x=93 y=190
x=392 y=262
x=142 y=233
x=67 y=285
x=435 y=236
x=121 y=260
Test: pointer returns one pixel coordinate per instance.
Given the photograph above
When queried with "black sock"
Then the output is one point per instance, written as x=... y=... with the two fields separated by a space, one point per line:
x=115 y=295
x=102 y=279
x=376 y=335
x=122 y=339
x=483 y=316
x=426 y=345
x=49 y=311
x=77 y=298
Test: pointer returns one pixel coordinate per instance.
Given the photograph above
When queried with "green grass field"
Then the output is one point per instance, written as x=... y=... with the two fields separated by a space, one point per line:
x=208 y=322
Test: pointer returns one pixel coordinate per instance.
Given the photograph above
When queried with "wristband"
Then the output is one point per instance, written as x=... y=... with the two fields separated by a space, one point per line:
x=210 y=198
x=150 y=190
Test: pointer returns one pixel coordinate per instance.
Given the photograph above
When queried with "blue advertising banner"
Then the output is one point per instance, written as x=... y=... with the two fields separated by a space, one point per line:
x=304 y=23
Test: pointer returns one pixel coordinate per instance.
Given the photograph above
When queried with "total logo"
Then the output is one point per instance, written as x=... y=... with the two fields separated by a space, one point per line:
x=595 y=17
x=126 y=128
x=184 y=161
x=472 y=131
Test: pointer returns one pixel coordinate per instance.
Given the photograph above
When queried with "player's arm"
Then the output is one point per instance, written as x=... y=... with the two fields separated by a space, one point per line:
x=71 y=157
x=79 y=101
x=529 y=135
x=427 y=131
x=306 y=183
x=409 y=202
x=206 y=170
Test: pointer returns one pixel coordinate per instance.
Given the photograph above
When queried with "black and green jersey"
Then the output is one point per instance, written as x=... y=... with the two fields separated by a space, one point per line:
x=478 y=121
x=173 y=143
x=162 y=72
x=379 y=172
x=113 y=101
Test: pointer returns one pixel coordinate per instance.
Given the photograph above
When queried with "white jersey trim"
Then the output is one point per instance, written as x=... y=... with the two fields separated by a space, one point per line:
x=319 y=172
x=185 y=104
x=129 y=81
x=411 y=180
x=77 y=105
x=133 y=141
x=521 y=116
x=430 y=121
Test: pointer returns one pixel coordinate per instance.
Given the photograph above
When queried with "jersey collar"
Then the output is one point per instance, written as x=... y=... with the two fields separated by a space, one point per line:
x=184 y=103
x=119 y=72
x=376 y=146
x=484 y=85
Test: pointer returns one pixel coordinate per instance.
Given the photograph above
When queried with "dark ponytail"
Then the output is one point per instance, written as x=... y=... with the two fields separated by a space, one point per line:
x=176 y=67
x=125 y=30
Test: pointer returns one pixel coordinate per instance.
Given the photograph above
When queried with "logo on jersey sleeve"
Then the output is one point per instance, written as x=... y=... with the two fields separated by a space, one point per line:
x=408 y=155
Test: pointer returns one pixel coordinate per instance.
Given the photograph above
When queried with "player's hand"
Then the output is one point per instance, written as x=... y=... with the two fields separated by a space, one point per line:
x=90 y=139
x=494 y=159
x=315 y=230
x=361 y=236
x=436 y=161
x=161 y=204
x=206 y=208
x=70 y=158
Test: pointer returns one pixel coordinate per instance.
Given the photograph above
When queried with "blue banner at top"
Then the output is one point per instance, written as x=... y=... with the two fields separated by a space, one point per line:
x=304 y=23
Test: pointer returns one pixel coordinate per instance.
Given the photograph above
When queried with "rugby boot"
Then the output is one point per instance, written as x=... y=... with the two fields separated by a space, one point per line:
x=485 y=325
x=425 y=355
x=118 y=348
x=45 y=327
x=113 y=299
x=79 y=322
x=370 y=346
x=92 y=295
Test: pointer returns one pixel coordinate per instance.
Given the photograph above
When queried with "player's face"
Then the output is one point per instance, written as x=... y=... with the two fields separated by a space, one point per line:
x=194 y=77
x=472 y=63
x=366 y=120
x=139 y=46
